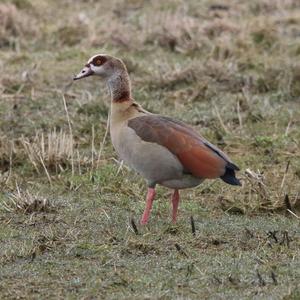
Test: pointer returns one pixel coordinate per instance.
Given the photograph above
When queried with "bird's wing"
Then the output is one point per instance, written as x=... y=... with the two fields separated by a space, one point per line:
x=198 y=156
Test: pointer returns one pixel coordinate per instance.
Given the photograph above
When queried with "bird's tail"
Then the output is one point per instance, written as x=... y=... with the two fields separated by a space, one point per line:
x=229 y=175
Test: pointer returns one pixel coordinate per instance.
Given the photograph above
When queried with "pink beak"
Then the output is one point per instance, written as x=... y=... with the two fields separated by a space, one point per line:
x=85 y=72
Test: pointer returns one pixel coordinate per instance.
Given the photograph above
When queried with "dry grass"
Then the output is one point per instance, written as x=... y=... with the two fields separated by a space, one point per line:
x=228 y=69
x=26 y=202
x=227 y=75
x=15 y=26
x=264 y=191
x=53 y=151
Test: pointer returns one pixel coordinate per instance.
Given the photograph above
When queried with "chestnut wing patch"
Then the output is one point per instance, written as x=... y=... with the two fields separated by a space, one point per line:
x=198 y=156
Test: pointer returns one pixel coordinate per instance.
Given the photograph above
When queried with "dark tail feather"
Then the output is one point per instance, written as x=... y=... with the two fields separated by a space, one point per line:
x=229 y=176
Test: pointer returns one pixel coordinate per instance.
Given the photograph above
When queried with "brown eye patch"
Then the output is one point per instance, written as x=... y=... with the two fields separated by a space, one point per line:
x=98 y=60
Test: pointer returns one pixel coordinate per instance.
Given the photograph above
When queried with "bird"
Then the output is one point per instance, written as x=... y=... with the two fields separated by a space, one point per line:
x=163 y=150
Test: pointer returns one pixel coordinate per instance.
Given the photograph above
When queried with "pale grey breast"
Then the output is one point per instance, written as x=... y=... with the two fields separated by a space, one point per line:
x=152 y=161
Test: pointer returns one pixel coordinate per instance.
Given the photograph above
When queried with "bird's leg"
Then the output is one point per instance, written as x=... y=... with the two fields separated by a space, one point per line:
x=175 y=201
x=149 y=201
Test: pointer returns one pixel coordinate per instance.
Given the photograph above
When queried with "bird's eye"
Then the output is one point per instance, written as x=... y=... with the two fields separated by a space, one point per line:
x=98 y=62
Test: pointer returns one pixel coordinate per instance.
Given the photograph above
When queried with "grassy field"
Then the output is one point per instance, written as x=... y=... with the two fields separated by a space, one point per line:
x=231 y=69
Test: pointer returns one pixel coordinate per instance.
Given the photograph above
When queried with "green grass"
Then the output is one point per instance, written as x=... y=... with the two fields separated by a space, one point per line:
x=231 y=72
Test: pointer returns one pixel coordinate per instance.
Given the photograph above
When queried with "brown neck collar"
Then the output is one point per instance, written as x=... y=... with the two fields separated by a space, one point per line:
x=121 y=97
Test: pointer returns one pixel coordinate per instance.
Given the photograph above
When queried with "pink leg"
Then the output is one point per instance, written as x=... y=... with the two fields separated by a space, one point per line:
x=149 y=201
x=175 y=202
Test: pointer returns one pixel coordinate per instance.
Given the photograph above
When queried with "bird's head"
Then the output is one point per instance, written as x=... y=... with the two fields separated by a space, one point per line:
x=102 y=65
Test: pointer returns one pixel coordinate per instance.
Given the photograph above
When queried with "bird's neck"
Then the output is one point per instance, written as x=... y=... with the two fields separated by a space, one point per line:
x=121 y=101
x=119 y=87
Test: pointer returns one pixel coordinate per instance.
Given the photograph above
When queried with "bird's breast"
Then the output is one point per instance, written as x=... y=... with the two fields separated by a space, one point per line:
x=152 y=161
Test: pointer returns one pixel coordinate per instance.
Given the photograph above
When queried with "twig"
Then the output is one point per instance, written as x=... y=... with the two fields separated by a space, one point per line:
x=273 y=276
x=284 y=175
x=272 y=234
x=106 y=214
x=287 y=203
x=10 y=163
x=233 y=280
x=285 y=239
x=33 y=256
x=292 y=213
x=260 y=279
x=103 y=141
x=45 y=168
x=220 y=119
x=120 y=167
x=178 y=248
x=78 y=158
x=217 y=279
x=30 y=152
x=70 y=130
x=238 y=108
x=134 y=227
x=193 y=226
x=93 y=146
x=288 y=128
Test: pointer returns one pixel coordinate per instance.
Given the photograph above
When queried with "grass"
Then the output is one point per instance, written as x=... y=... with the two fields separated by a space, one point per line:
x=68 y=207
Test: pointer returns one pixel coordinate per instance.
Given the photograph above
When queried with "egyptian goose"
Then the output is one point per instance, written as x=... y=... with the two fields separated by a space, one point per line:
x=164 y=151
